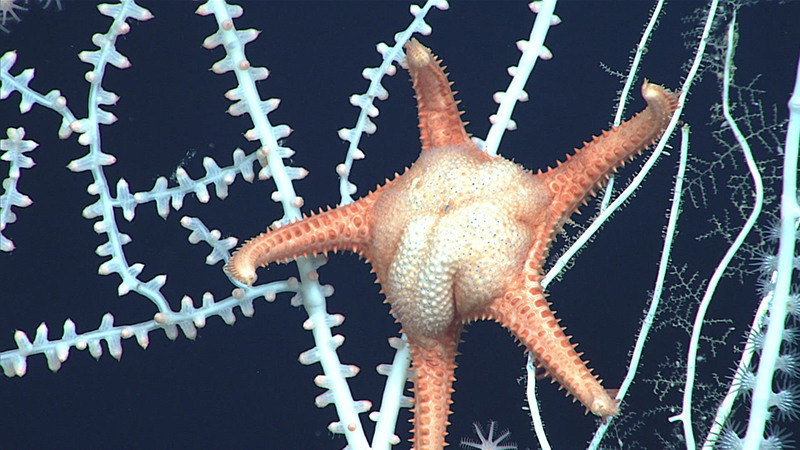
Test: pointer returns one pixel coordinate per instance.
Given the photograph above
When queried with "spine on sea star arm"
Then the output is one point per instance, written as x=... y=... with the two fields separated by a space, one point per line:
x=344 y=228
x=589 y=168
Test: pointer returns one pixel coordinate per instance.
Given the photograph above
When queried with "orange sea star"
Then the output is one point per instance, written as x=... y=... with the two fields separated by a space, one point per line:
x=462 y=236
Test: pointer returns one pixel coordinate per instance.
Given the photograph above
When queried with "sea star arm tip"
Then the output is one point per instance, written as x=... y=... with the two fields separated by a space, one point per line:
x=346 y=227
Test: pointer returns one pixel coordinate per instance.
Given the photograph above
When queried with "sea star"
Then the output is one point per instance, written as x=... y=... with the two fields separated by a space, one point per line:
x=462 y=236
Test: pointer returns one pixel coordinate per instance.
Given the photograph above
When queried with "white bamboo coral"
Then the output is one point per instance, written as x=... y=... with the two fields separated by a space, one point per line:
x=248 y=372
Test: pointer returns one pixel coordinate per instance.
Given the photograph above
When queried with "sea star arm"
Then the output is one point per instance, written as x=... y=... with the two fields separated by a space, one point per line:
x=434 y=361
x=439 y=118
x=577 y=179
x=343 y=228
x=527 y=315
